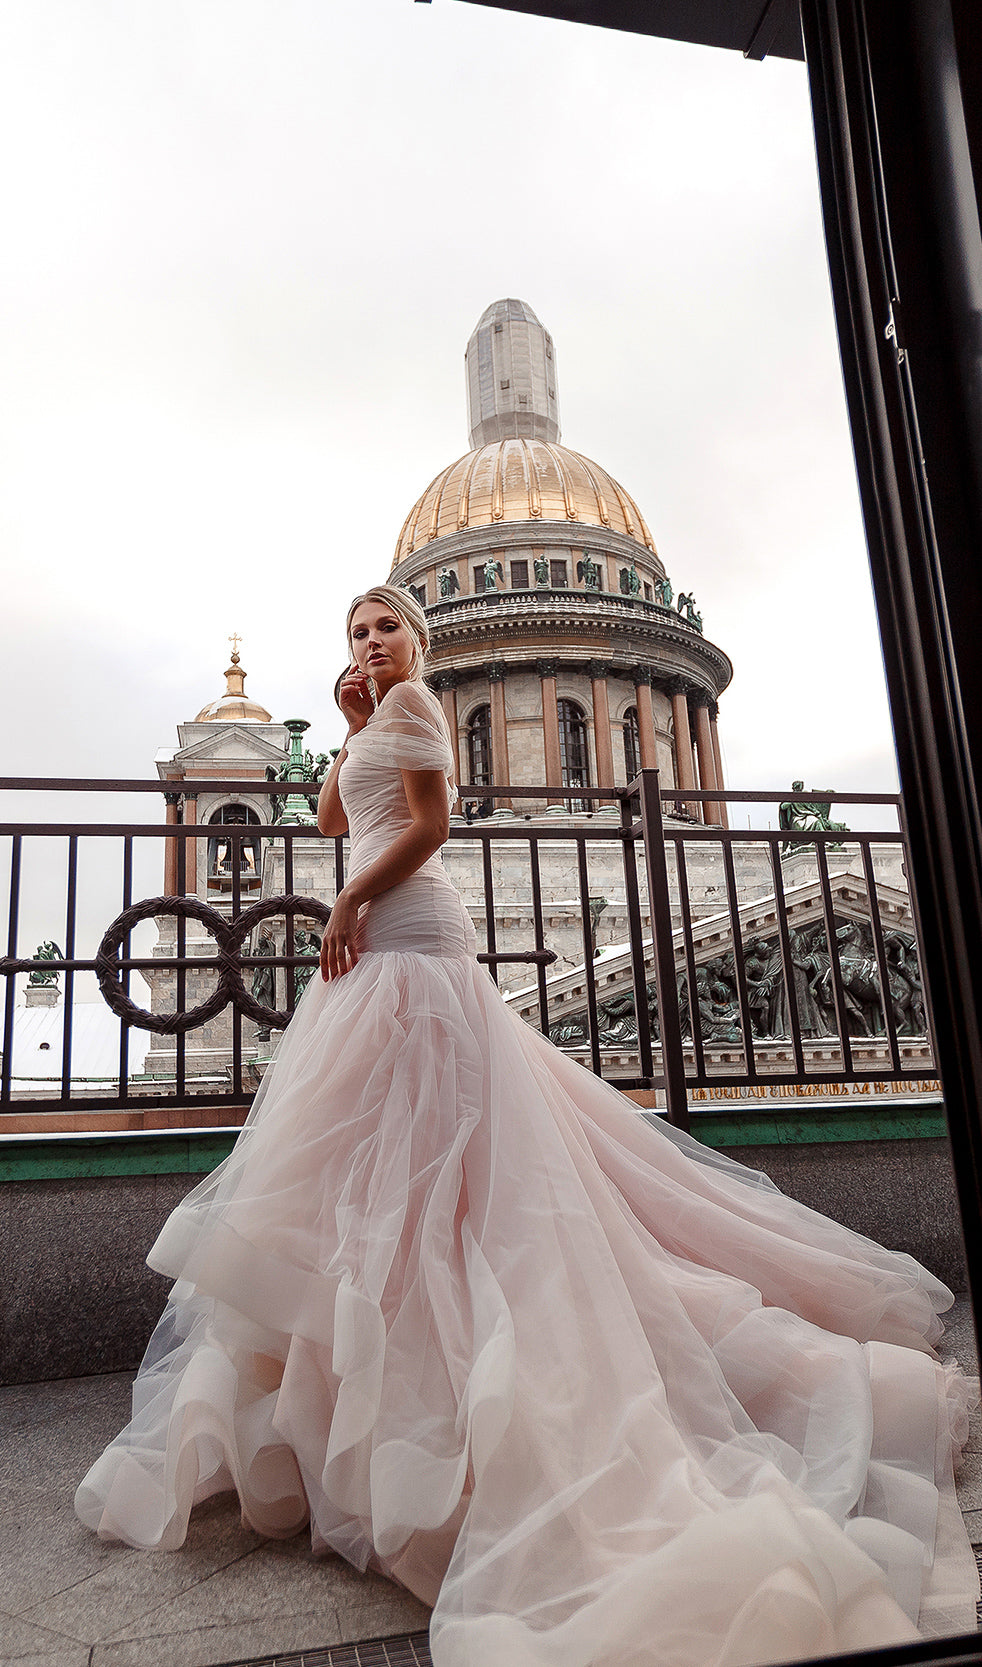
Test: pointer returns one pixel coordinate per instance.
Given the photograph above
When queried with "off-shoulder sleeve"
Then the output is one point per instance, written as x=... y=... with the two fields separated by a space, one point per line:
x=407 y=732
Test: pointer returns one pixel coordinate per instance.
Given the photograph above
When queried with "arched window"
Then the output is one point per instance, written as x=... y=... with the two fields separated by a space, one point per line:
x=479 y=761
x=479 y=746
x=632 y=743
x=573 y=752
x=221 y=848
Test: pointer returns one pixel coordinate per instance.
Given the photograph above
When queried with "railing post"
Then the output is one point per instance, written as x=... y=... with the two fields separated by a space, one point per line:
x=663 y=952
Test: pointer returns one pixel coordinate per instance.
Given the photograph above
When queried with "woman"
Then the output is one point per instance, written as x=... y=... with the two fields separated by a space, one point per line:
x=599 y=1395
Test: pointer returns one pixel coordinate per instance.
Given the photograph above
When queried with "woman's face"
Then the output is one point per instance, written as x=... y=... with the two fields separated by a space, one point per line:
x=383 y=648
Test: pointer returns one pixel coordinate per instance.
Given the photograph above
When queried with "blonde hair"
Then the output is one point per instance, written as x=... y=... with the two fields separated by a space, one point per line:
x=409 y=613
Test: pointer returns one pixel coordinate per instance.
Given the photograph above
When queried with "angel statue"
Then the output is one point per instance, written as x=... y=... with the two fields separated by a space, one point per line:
x=304 y=943
x=46 y=951
x=263 y=987
x=588 y=571
x=448 y=580
x=493 y=571
x=540 y=568
x=688 y=602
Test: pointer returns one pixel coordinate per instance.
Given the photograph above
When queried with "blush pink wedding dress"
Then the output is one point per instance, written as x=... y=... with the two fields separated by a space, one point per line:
x=599 y=1395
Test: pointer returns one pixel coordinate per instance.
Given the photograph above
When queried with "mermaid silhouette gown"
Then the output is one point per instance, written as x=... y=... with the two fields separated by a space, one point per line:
x=600 y=1396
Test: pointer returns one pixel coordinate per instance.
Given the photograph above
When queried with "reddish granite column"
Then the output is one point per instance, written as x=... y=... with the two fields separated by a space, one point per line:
x=190 y=846
x=499 y=731
x=685 y=773
x=445 y=682
x=171 y=801
x=707 y=763
x=598 y=671
x=724 y=817
x=550 y=726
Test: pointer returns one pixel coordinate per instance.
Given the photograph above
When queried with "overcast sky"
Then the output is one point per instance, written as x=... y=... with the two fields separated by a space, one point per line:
x=245 y=242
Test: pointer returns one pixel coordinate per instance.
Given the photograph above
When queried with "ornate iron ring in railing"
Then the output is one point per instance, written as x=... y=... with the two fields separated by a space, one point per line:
x=228 y=935
x=239 y=931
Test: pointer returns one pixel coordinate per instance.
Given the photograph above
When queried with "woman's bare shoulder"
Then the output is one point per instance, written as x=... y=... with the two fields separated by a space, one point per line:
x=411 y=697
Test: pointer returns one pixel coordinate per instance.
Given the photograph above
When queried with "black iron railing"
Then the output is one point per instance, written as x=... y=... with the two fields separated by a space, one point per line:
x=808 y=982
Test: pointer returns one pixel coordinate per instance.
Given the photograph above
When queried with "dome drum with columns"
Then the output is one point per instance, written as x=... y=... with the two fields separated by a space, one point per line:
x=555 y=647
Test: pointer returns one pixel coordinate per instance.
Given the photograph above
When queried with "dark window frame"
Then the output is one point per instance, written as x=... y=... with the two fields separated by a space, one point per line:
x=480 y=754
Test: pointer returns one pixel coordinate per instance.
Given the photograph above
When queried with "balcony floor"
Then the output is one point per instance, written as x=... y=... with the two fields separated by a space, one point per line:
x=66 y=1600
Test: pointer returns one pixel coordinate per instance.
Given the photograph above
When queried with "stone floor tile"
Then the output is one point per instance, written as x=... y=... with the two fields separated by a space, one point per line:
x=131 y=1584
x=68 y=1655
x=968 y=1480
x=22 y=1641
x=958 y=1342
x=54 y=1454
x=299 y=1547
x=44 y=1549
x=969 y=1484
x=25 y=1404
x=19 y=1496
x=258 y=1587
x=380 y=1614
x=369 y=1605
x=216 y=1534
x=210 y=1646
x=345 y=1580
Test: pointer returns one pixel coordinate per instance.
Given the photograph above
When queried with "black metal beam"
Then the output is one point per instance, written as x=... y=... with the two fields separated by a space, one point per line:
x=754 y=27
x=899 y=185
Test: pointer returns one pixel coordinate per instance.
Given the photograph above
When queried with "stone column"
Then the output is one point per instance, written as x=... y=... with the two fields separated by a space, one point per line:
x=598 y=671
x=171 y=800
x=550 y=725
x=445 y=682
x=191 y=847
x=685 y=774
x=724 y=817
x=707 y=761
x=497 y=673
x=646 y=718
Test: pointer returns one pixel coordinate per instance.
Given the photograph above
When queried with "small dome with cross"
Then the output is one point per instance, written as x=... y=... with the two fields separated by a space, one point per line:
x=234 y=706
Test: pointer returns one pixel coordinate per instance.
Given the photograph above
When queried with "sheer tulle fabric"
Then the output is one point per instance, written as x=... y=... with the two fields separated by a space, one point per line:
x=600 y=1396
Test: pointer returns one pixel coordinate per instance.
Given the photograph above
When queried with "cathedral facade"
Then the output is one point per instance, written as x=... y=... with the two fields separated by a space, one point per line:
x=560 y=650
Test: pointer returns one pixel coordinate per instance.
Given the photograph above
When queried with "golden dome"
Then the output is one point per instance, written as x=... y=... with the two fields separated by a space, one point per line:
x=520 y=480
x=234 y=706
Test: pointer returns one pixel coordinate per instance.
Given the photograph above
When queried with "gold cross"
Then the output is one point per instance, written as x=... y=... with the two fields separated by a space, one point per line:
x=235 y=640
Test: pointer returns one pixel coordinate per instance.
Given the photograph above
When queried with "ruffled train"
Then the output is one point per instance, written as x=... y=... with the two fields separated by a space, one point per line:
x=600 y=1396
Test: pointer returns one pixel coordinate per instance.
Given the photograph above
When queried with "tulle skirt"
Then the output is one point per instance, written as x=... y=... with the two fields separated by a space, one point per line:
x=600 y=1396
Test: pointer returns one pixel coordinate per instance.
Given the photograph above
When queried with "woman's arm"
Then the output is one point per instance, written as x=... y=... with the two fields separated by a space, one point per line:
x=357 y=705
x=426 y=794
x=330 y=811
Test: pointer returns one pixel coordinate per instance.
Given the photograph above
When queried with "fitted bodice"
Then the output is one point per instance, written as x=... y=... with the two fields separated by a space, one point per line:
x=424 y=914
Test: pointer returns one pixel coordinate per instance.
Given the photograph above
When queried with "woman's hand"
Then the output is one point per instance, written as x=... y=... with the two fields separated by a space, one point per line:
x=355 y=699
x=338 y=950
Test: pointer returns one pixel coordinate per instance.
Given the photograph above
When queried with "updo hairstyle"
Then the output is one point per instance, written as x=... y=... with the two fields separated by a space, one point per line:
x=408 y=611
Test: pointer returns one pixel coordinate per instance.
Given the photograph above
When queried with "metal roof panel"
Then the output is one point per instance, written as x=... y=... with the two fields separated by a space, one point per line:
x=757 y=28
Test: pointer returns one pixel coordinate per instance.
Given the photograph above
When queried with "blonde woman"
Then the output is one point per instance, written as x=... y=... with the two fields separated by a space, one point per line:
x=599 y=1396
